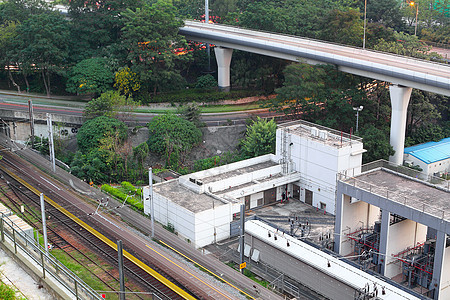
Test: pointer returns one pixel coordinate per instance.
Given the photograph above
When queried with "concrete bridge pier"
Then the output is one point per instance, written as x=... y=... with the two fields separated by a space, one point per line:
x=399 y=102
x=223 y=57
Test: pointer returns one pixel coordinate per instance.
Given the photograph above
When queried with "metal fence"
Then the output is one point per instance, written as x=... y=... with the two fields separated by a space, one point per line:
x=27 y=247
x=437 y=181
x=430 y=209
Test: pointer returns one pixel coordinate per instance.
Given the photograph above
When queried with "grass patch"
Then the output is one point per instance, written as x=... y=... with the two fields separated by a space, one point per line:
x=250 y=275
x=81 y=271
x=8 y=293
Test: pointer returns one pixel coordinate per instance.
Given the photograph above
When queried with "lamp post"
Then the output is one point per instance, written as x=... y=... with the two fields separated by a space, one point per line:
x=365 y=18
x=412 y=3
x=358 y=109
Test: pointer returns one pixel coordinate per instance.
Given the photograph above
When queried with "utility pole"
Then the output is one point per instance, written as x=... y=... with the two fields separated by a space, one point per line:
x=50 y=141
x=208 y=50
x=152 y=209
x=241 y=238
x=121 y=274
x=44 y=225
x=30 y=111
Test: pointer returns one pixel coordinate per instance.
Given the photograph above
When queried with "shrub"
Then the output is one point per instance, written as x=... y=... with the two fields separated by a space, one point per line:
x=206 y=82
x=122 y=196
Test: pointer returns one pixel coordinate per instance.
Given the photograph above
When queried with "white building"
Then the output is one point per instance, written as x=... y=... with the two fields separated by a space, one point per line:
x=200 y=206
x=432 y=157
x=318 y=154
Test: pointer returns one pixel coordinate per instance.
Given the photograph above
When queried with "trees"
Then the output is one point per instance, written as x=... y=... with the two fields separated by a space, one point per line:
x=41 y=45
x=409 y=45
x=191 y=113
x=301 y=91
x=127 y=82
x=259 y=138
x=376 y=142
x=173 y=137
x=151 y=38
x=343 y=26
x=94 y=130
x=90 y=76
x=106 y=105
x=96 y=26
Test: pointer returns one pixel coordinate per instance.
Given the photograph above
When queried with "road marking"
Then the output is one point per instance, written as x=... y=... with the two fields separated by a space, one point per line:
x=50 y=183
x=188 y=272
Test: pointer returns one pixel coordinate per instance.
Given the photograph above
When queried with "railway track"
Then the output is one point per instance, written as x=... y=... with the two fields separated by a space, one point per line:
x=145 y=273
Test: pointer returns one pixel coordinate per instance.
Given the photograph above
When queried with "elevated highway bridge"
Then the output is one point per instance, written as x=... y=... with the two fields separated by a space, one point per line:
x=403 y=72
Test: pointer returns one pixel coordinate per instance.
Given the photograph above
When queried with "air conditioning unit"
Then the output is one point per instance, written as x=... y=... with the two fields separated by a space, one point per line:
x=323 y=134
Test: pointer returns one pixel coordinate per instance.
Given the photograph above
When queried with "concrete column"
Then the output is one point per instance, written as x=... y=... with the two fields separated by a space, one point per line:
x=384 y=233
x=438 y=263
x=399 y=102
x=223 y=57
x=338 y=220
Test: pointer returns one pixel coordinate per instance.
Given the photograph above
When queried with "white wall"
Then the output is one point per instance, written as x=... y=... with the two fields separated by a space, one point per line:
x=354 y=217
x=318 y=161
x=445 y=278
x=430 y=169
x=402 y=235
x=212 y=225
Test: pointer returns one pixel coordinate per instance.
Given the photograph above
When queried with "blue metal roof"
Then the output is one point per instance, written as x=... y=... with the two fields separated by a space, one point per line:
x=431 y=152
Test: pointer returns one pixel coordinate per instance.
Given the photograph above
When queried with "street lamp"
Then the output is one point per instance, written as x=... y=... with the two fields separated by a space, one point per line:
x=365 y=18
x=358 y=109
x=412 y=3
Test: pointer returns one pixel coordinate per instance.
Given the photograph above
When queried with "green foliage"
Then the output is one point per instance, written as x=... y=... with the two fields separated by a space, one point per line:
x=408 y=45
x=206 y=82
x=171 y=135
x=96 y=28
x=93 y=131
x=136 y=203
x=7 y=292
x=106 y=105
x=127 y=82
x=42 y=42
x=376 y=142
x=90 y=167
x=191 y=113
x=169 y=227
x=90 y=76
x=201 y=96
x=344 y=27
x=259 y=138
x=215 y=161
x=151 y=37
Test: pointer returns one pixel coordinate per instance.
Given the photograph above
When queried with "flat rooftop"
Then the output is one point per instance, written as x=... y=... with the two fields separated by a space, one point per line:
x=399 y=188
x=186 y=198
x=251 y=183
x=240 y=171
x=328 y=136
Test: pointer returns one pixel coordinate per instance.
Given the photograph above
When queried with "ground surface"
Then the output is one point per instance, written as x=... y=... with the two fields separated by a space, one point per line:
x=13 y=275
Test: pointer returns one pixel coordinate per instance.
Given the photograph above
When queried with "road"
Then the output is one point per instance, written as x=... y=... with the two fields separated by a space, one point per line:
x=70 y=107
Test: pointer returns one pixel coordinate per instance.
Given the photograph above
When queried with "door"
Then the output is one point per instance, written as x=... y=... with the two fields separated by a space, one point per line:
x=308 y=197
x=295 y=192
x=247 y=202
x=270 y=196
